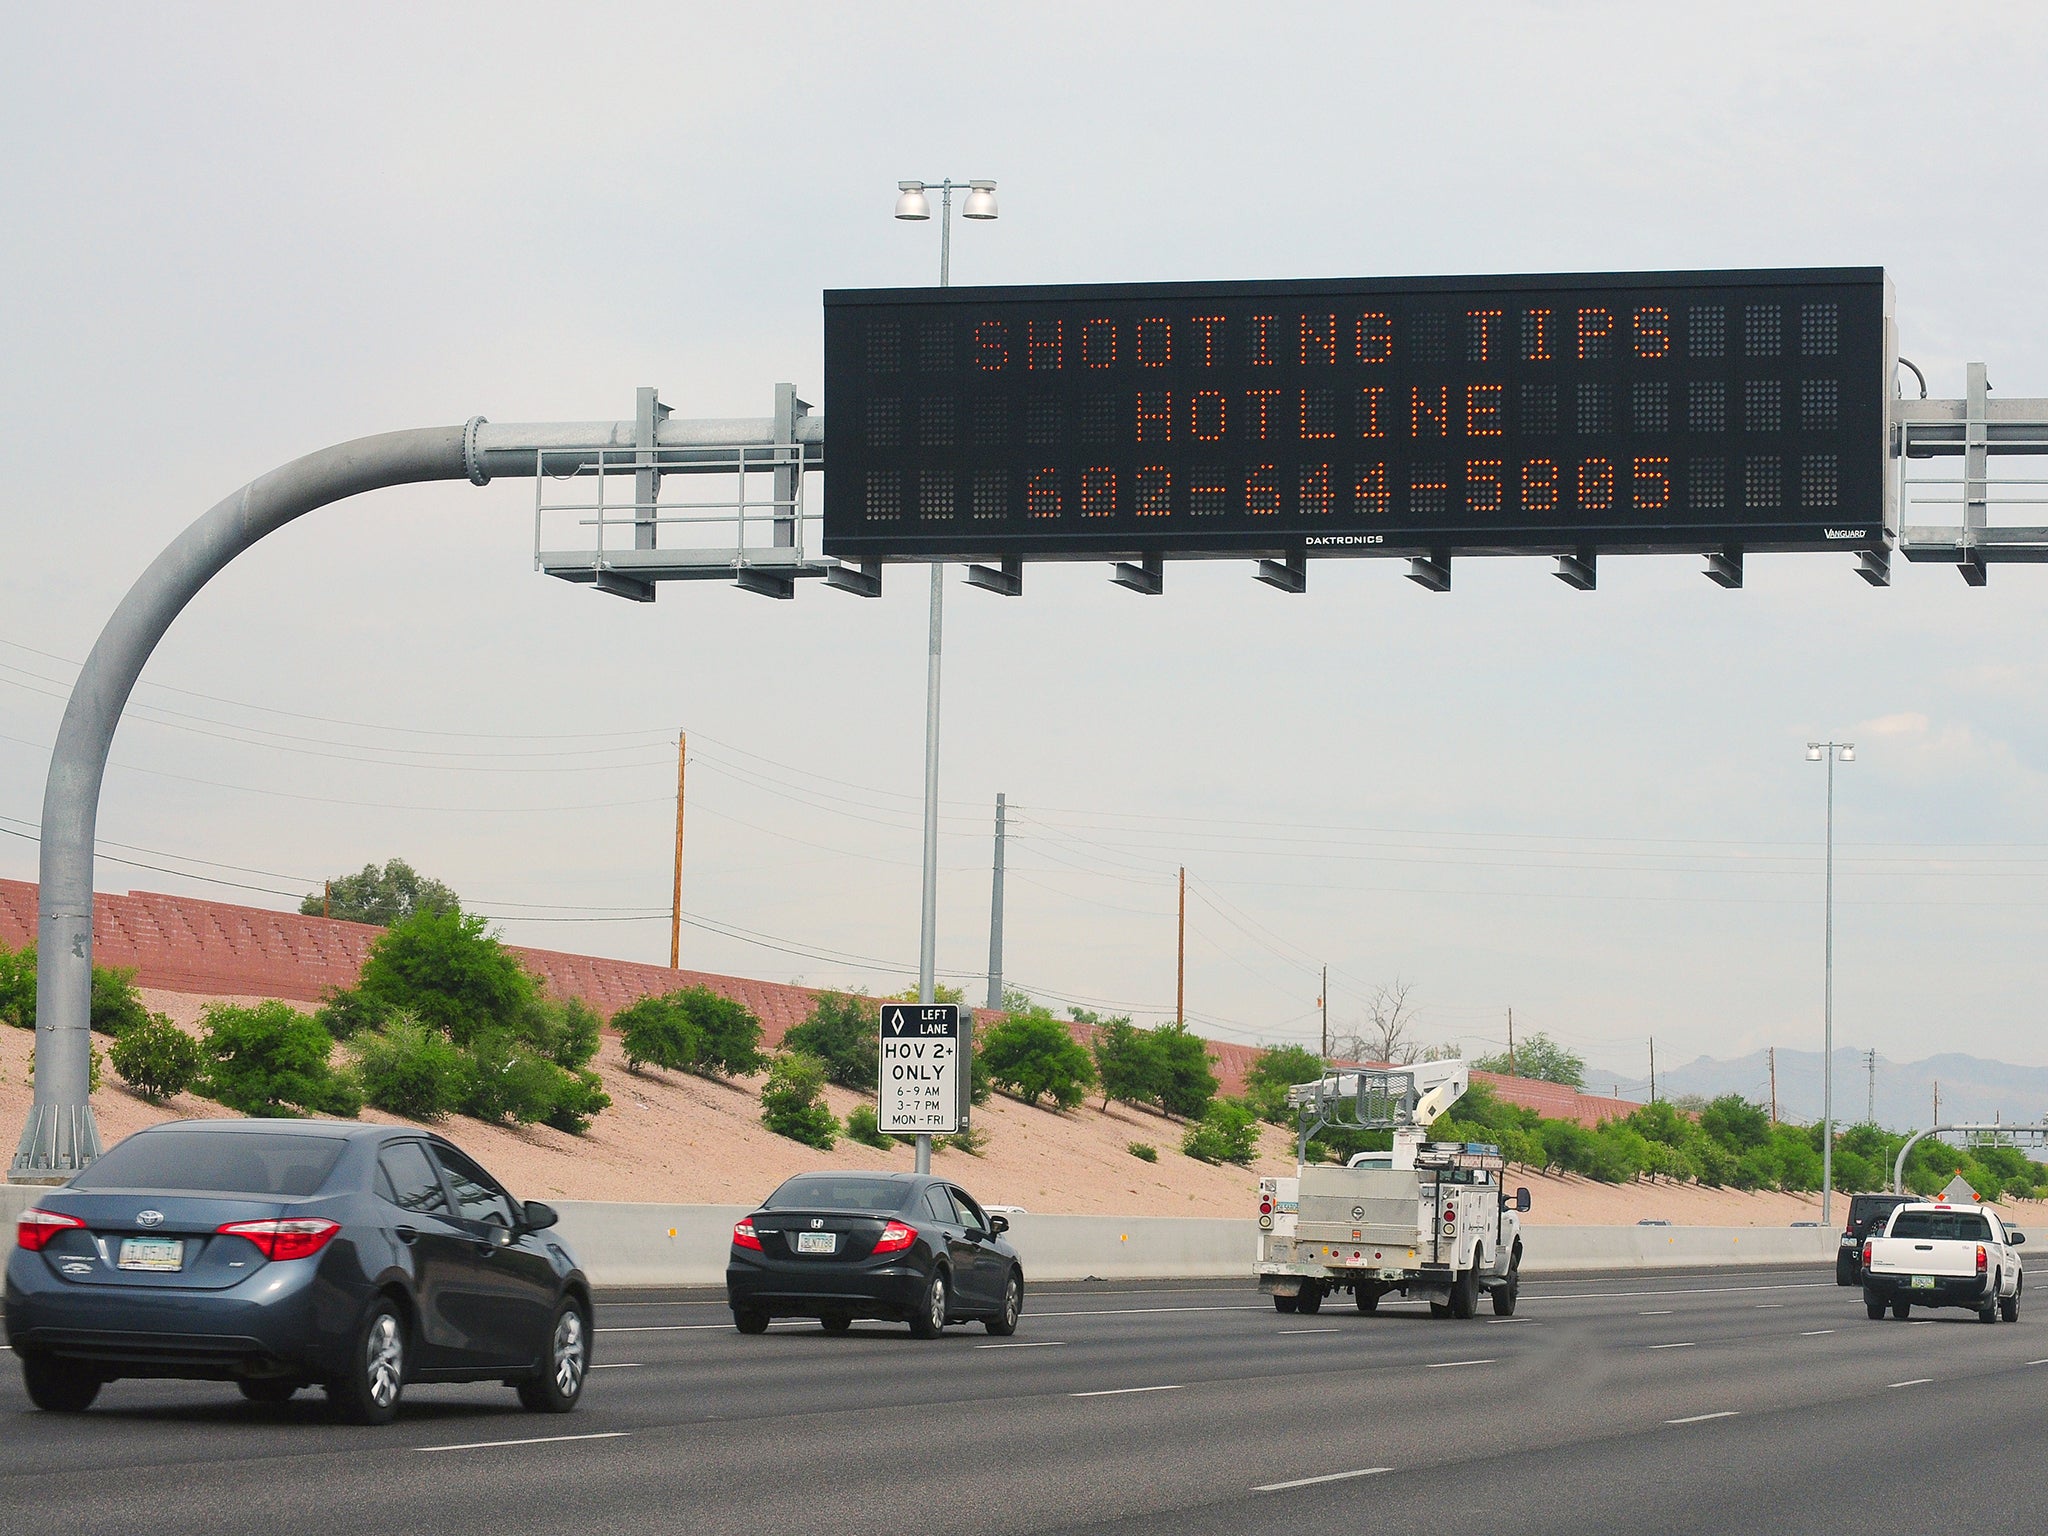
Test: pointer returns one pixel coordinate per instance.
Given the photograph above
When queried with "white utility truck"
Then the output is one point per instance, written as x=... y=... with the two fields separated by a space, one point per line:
x=1428 y=1220
x=1942 y=1254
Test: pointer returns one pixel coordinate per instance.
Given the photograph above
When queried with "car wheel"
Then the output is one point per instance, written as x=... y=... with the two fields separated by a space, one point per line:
x=1845 y=1272
x=749 y=1321
x=929 y=1321
x=1004 y=1323
x=1310 y=1300
x=268 y=1389
x=836 y=1322
x=560 y=1382
x=1286 y=1303
x=1873 y=1309
x=1367 y=1298
x=1506 y=1296
x=1988 y=1313
x=1901 y=1309
x=2009 y=1307
x=59 y=1386
x=369 y=1393
x=1465 y=1292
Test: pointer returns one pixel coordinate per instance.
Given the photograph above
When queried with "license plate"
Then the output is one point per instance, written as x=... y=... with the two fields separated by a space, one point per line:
x=157 y=1253
x=817 y=1242
x=1923 y=1282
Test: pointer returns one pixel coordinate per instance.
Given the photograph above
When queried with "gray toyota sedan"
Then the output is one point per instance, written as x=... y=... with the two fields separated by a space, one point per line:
x=280 y=1254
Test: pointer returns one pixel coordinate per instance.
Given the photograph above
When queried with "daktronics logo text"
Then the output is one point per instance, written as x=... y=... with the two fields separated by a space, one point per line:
x=1327 y=540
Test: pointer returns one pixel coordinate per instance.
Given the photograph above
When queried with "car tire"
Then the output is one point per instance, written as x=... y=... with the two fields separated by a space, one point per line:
x=2009 y=1307
x=835 y=1322
x=1004 y=1323
x=270 y=1390
x=369 y=1392
x=1506 y=1295
x=1845 y=1272
x=1465 y=1292
x=749 y=1321
x=1901 y=1308
x=558 y=1386
x=1368 y=1299
x=1286 y=1303
x=1988 y=1313
x=929 y=1320
x=59 y=1386
x=1310 y=1300
x=1873 y=1309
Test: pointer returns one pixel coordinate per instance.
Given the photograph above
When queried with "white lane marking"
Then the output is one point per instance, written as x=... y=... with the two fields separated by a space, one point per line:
x=1033 y=1344
x=1123 y=1391
x=1920 y=1322
x=1688 y=1344
x=1507 y=1319
x=1445 y=1365
x=1705 y=1290
x=2037 y=1362
x=1765 y=1306
x=1665 y=1313
x=1816 y=1333
x=487 y=1445
x=1285 y=1332
x=618 y=1365
x=1327 y=1477
x=784 y=1322
x=1135 y=1311
x=1701 y=1418
x=1917 y=1381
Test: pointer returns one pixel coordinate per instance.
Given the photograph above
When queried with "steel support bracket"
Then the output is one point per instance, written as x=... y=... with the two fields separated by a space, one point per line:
x=1581 y=571
x=863 y=580
x=766 y=583
x=1725 y=568
x=628 y=587
x=1289 y=574
x=1006 y=580
x=1971 y=569
x=1432 y=571
x=1146 y=576
x=1875 y=567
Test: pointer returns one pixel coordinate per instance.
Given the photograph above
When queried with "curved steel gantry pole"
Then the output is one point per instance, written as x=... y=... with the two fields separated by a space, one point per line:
x=61 y=1136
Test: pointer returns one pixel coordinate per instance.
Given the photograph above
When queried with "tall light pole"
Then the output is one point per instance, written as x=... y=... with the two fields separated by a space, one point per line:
x=911 y=204
x=1830 y=752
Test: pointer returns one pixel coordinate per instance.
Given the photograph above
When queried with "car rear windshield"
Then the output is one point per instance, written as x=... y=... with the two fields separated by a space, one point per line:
x=1935 y=1226
x=1863 y=1210
x=826 y=1192
x=217 y=1163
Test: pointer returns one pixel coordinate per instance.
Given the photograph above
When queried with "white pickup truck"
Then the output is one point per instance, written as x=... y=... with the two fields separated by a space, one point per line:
x=1937 y=1254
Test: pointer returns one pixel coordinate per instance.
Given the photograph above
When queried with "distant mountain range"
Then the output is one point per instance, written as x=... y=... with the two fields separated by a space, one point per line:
x=1971 y=1088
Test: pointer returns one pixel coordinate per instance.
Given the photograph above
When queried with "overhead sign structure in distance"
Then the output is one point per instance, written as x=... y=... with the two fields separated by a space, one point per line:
x=924 y=1069
x=1566 y=415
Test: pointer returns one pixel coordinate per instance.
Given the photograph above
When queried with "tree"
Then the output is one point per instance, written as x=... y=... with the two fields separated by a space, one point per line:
x=156 y=1058
x=1538 y=1057
x=1187 y=1081
x=451 y=972
x=271 y=1059
x=728 y=1034
x=116 y=1005
x=656 y=1034
x=18 y=986
x=1228 y=1132
x=1736 y=1123
x=408 y=1069
x=844 y=1032
x=384 y=896
x=1273 y=1073
x=1033 y=1056
x=1128 y=1061
x=941 y=993
x=793 y=1101
x=1388 y=1032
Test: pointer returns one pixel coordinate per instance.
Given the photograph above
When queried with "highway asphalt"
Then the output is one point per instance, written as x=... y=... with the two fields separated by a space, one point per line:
x=1754 y=1401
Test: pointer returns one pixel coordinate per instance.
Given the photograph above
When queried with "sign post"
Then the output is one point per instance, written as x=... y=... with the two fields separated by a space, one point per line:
x=925 y=1078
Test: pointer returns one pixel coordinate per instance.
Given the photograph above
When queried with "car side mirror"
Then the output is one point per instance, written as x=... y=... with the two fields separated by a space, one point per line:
x=998 y=1225
x=2015 y=1238
x=536 y=1217
x=1522 y=1198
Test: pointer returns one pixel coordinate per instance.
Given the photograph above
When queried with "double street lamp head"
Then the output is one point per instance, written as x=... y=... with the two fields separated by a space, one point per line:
x=911 y=202
x=1845 y=751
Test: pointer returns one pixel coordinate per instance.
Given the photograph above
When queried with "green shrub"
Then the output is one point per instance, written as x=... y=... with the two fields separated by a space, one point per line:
x=509 y=1081
x=116 y=1005
x=1273 y=1073
x=345 y=1013
x=1228 y=1132
x=1033 y=1056
x=863 y=1126
x=451 y=973
x=18 y=987
x=1144 y=1151
x=728 y=1034
x=566 y=1030
x=271 y=1059
x=1129 y=1063
x=408 y=1069
x=1188 y=1082
x=578 y=1101
x=844 y=1033
x=970 y=1139
x=156 y=1058
x=793 y=1101
x=656 y=1033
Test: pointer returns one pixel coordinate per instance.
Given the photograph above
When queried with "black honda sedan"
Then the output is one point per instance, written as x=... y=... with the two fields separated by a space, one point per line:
x=903 y=1247
x=280 y=1254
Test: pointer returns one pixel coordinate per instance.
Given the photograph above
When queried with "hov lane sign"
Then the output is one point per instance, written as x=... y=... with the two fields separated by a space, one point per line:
x=924 y=1086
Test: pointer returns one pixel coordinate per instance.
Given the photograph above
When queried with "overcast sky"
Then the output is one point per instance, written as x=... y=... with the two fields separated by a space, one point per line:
x=235 y=234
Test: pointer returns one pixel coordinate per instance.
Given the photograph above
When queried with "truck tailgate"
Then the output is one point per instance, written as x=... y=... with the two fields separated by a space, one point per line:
x=1948 y=1257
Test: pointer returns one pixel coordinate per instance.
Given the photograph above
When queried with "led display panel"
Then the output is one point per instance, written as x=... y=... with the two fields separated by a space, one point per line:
x=1668 y=411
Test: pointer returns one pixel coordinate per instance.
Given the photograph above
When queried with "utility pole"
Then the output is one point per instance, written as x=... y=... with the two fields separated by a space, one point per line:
x=1772 y=1052
x=1511 y=1044
x=1870 y=1096
x=675 y=901
x=327 y=899
x=1180 y=970
x=995 y=918
x=1653 y=1069
x=1323 y=1002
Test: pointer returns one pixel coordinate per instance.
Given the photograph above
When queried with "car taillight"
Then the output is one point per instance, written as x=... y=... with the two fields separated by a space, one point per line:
x=1866 y=1253
x=1265 y=1207
x=35 y=1228
x=744 y=1236
x=1450 y=1215
x=298 y=1237
x=1981 y=1266
x=895 y=1237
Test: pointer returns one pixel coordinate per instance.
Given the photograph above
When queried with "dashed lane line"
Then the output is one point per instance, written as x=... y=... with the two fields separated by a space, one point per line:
x=1688 y=1344
x=1290 y=1332
x=488 y=1445
x=619 y=1365
x=1701 y=1418
x=1917 y=1381
x=1815 y=1333
x=1327 y=1477
x=1445 y=1365
x=1665 y=1313
x=1704 y=1290
x=1124 y=1391
x=1031 y=1344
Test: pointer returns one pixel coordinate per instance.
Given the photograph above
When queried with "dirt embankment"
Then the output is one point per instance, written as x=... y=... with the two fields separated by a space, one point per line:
x=672 y=1137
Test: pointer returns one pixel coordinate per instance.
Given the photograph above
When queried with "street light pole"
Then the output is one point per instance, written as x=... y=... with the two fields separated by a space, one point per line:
x=981 y=204
x=1816 y=751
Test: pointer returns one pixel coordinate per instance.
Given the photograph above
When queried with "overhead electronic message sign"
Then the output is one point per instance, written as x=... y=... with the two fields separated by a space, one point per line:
x=1519 y=415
